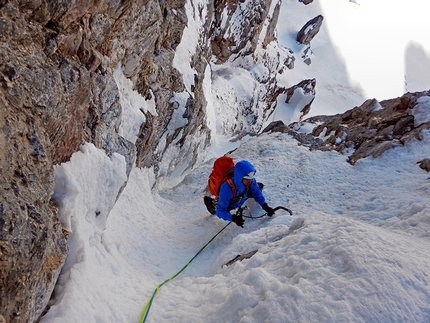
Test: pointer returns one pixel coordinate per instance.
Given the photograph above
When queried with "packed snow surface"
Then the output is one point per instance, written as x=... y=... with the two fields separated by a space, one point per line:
x=357 y=248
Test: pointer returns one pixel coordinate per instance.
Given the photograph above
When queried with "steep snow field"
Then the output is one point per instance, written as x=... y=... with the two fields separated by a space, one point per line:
x=355 y=250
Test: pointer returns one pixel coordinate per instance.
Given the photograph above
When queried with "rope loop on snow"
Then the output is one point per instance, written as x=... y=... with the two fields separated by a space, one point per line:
x=148 y=305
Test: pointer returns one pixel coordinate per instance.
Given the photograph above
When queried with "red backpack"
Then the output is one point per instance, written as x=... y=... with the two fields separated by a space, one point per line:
x=222 y=172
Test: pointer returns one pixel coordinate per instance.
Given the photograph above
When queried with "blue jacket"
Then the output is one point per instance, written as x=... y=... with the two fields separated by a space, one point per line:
x=225 y=202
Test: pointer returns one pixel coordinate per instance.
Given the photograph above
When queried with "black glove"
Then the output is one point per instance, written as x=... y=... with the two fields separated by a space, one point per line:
x=268 y=209
x=238 y=219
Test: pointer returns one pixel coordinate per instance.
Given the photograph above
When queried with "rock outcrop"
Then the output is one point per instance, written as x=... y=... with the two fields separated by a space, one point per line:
x=373 y=127
x=310 y=30
x=306 y=34
x=33 y=246
x=307 y=88
x=367 y=130
x=239 y=37
x=425 y=164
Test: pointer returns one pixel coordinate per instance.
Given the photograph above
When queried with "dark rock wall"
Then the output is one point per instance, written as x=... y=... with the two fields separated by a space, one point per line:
x=57 y=92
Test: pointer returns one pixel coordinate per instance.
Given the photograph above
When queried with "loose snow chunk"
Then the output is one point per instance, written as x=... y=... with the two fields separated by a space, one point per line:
x=421 y=111
x=77 y=188
x=133 y=106
x=260 y=72
x=377 y=107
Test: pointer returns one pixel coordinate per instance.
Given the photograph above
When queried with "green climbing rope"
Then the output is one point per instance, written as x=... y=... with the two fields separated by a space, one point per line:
x=148 y=305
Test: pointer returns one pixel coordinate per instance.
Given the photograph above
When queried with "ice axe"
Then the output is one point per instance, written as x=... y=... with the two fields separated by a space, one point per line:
x=274 y=209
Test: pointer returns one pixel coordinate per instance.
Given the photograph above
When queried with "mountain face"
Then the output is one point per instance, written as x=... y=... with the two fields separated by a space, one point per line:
x=60 y=88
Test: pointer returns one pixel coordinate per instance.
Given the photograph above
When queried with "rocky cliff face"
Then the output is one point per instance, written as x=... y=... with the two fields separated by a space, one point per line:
x=58 y=91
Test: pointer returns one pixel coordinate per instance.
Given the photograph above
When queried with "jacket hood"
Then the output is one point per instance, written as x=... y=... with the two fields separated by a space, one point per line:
x=240 y=170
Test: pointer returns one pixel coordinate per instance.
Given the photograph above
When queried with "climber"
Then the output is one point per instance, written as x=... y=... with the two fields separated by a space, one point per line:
x=235 y=192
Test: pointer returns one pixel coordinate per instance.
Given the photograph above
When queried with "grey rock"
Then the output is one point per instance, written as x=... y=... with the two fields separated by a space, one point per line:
x=232 y=37
x=308 y=88
x=425 y=164
x=309 y=30
x=241 y=257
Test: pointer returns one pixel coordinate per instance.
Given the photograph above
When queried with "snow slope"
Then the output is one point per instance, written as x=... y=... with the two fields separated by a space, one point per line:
x=355 y=250
x=365 y=49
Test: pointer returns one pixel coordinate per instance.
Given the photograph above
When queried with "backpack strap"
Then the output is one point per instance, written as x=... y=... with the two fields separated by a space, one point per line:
x=232 y=186
x=233 y=189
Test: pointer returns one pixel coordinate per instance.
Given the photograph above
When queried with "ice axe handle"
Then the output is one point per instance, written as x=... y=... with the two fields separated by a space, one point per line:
x=283 y=208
